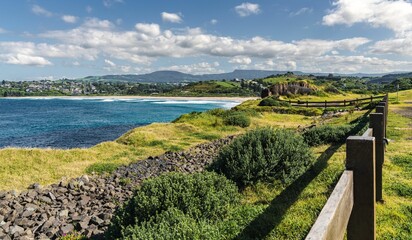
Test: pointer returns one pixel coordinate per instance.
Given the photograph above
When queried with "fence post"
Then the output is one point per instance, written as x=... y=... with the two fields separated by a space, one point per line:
x=326 y=104
x=307 y=103
x=360 y=157
x=381 y=108
x=344 y=103
x=378 y=125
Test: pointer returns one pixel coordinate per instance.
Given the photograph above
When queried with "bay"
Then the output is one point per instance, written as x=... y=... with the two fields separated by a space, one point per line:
x=83 y=122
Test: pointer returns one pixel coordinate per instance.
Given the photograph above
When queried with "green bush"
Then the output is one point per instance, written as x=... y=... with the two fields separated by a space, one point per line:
x=270 y=101
x=172 y=224
x=236 y=118
x=264 y=155
x=326 y=134
x=200 y=196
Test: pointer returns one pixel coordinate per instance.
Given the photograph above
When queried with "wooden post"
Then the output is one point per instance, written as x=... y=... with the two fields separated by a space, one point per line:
x=381 y=108
x=326 y=104
x=360 y=157
x=307 y=103
x=377 y=123
x=344 y=103
x=371 y=99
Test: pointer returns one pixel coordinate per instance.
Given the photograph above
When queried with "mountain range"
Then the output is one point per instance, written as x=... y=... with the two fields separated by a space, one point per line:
x=176 y=77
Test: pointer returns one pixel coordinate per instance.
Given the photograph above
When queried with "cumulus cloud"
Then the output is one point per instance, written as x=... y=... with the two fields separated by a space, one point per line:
x=147 y=42
x=401 y=46
x=391 y=14
x=149 y=29
x=213 y=21
x=246 y=9
x=171 y=17
x=36 y=9
x=22 y=59
x=241 y=60
x=69 y=19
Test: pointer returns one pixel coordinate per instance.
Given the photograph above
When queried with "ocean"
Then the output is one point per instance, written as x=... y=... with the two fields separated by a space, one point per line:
x=75 y=122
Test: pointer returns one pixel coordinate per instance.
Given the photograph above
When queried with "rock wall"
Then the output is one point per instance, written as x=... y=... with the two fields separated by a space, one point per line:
x=86 y=204
x=282 y=89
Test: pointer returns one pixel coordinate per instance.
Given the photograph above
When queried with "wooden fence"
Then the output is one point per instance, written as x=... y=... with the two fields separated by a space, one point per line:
x=325 y=104
x=351 y=206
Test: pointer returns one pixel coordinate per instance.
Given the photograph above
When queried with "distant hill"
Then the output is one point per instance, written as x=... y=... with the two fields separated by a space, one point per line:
x=391 y=77
x=176 y=77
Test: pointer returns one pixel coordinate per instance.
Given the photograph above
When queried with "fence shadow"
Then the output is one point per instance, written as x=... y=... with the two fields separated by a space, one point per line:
x=263 y=224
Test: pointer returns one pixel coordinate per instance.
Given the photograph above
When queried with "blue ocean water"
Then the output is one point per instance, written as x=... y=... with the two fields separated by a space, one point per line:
x=84 y=122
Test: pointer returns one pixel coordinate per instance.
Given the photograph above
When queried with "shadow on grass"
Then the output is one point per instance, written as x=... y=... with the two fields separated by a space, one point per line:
x=263 y=224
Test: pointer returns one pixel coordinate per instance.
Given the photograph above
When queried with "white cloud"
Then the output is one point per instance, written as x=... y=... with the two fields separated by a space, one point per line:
x=392 y=14
x=148 y=29
x=241 y=60
x=246 y=9
x=197 y=68
x=398 y=46
x=213 y=21
x=22 y=59
x=171 y=17
x=109 y=63
x=301 y=11
x=281 y=65
x=2 y=30
x=69 y=18
x=36 y=9
x=97 y=23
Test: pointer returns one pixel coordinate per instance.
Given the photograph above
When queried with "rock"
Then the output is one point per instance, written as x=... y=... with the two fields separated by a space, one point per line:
x=45 y=199
x=34 y=186
x=66 y=229
x=64 y=213
x=16 y=230
x=52 y=197
x=84 y=200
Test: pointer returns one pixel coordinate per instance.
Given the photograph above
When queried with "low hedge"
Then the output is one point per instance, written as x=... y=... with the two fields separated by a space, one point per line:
x=200 y=196
x=326 y=134
x=264 y=155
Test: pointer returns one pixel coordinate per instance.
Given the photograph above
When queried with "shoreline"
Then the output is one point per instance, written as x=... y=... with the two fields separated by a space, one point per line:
x=235 y=99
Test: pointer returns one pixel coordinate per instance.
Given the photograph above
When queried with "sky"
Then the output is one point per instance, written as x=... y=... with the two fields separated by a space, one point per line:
x=43 y=39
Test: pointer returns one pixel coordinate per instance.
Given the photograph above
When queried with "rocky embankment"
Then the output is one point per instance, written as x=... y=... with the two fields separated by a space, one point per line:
x=86 y=204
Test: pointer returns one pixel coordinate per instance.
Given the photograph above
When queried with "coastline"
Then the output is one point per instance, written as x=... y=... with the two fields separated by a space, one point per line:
x=235 y=99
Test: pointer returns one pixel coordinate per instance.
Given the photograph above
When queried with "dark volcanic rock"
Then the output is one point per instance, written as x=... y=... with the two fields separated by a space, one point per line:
x=86 y=204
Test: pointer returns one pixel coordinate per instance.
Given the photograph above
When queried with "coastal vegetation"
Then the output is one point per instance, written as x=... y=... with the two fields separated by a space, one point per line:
x=264 y=207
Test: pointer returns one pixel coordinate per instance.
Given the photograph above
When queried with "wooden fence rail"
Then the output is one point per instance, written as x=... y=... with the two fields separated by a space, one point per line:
x=326 y=104
x=351 y=206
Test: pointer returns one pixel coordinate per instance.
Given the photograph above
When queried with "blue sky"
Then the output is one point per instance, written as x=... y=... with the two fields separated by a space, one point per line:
x=54 y=39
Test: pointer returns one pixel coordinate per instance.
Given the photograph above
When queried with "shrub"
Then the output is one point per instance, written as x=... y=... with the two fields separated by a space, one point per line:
x=270 y=101
x=326 y=134
x=236 y=118
x=264 y=155
x=172 y=224
x=199 y=195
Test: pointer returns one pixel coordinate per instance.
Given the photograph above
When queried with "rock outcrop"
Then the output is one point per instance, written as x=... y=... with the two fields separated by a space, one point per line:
x=86 y=204
x=282 y=89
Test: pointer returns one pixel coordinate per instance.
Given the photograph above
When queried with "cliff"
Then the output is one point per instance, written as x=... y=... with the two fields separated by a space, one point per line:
x=281 y=89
